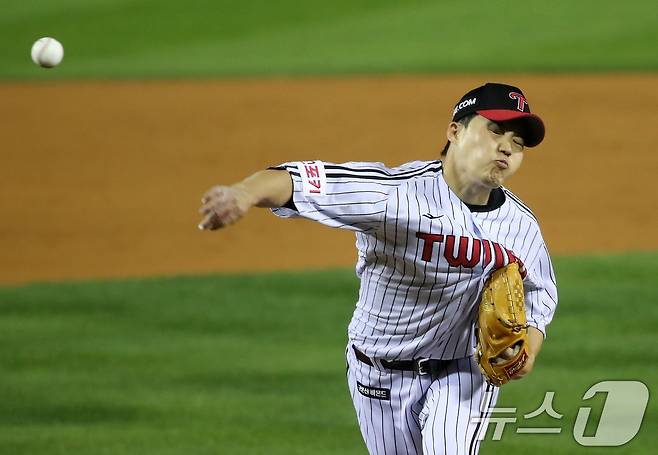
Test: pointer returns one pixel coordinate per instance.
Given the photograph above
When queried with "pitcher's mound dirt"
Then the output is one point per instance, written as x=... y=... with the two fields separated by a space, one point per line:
x=104 y=179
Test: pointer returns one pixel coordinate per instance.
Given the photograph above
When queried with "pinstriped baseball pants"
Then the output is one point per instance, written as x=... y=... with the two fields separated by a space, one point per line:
x=420 y=415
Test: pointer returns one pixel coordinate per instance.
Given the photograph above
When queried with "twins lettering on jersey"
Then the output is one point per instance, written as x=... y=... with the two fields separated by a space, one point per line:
x=402 y=219
x=470 y=252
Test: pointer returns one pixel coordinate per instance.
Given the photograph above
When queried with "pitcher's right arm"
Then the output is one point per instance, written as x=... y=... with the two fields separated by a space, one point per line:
x=224 y=205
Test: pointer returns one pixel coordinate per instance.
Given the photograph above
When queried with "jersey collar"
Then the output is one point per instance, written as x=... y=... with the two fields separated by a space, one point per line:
x=496 y=200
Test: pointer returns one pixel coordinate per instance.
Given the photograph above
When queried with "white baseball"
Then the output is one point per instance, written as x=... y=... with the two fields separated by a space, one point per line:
x=47 y=52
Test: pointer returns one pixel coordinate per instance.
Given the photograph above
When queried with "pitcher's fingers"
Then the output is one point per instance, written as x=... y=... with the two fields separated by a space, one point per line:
x=208 y=222
x=209 y=207
x=220 y=218
x=221 y=201
x=207 y=196
x=214 y=192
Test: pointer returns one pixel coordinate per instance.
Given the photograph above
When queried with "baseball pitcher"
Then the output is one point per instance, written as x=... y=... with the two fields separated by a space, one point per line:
x=457 y=286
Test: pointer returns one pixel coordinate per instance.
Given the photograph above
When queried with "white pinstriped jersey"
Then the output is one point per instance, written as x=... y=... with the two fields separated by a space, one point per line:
x=423 y=254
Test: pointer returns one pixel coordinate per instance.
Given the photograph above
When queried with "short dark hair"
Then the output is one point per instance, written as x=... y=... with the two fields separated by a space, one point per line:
x=464 y=121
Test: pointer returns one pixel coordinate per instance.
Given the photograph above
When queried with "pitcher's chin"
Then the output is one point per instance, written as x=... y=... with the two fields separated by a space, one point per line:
x=495 y=178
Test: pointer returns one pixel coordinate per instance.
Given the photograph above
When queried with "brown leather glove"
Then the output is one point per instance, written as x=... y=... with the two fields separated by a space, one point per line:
x=502 y=342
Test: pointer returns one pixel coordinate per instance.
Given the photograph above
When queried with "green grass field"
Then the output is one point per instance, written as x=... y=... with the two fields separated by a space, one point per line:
x=209 y=38
x=254 y=364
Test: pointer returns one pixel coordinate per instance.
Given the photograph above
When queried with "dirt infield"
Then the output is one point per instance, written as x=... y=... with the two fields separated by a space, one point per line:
x=104 y=179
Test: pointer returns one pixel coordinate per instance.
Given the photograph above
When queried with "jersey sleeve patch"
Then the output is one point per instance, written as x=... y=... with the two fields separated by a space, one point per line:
x=314 y=178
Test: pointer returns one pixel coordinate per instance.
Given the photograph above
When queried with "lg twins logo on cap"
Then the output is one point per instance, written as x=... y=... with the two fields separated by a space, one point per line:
x=521 y=102
x=463 y=104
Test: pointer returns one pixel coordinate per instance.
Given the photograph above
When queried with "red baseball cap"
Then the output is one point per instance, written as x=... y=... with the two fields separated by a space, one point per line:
x=502 y=103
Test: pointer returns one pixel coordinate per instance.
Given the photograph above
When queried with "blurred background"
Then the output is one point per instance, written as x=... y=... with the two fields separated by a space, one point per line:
x=126 y=330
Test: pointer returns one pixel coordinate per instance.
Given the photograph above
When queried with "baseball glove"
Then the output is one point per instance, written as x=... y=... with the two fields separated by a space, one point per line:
x=502 y=340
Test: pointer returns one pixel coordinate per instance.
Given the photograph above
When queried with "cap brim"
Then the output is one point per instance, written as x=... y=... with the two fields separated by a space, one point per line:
x=533 y=127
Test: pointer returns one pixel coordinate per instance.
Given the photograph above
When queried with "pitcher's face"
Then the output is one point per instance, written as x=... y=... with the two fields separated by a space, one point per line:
x=487 y=152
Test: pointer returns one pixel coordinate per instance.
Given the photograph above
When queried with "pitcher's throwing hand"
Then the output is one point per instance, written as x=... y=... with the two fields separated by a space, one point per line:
x=224 y=205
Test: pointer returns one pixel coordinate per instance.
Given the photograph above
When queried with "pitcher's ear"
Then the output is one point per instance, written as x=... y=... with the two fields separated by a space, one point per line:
x=453 y=131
